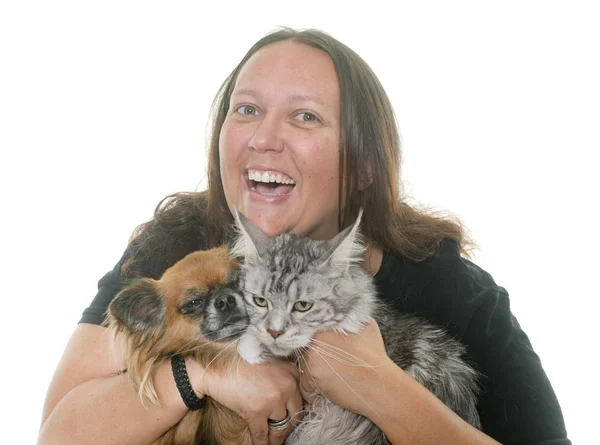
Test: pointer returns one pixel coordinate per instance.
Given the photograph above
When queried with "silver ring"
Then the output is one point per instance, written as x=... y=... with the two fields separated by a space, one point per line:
x=279 y=425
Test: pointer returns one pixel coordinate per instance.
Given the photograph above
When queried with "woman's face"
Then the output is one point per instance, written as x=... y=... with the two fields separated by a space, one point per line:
x=279 y=144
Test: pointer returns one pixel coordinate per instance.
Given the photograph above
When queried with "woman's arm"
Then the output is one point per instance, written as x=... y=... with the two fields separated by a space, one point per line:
x=405 y=410
x=89 y=402
x=409 y=414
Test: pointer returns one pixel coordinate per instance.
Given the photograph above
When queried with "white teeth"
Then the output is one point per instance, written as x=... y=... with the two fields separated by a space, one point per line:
x=267 y=177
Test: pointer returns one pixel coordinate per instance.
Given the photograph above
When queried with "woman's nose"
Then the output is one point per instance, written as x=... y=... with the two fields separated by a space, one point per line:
x=268 y=136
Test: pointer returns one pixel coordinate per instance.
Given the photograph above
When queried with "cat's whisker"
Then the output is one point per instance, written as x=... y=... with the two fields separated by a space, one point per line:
x=337 y=353
x=361 y=363
x=307 y=368
x=218 y=354
x=347 y=358
x=225 y=325
x=186 y=344
x=298 y=357
x=239 y=362
x=218 y=331
x=218 y=341
x=333 y=356
x=342 y=353
x=184 y=348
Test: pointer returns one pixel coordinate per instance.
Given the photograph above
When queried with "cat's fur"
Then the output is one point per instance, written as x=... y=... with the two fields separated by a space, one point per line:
x=277 y=273
x=193 y=310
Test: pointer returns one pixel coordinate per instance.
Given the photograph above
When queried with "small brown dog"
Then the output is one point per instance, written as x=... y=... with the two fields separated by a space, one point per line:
x=190 y=311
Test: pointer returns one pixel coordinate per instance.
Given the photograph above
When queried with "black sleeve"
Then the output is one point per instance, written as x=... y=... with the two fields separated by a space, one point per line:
x=517 y=404
x=108 y=286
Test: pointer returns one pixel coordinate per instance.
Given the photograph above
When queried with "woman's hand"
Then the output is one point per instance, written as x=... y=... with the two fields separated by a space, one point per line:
x=256 y=393
x=381 y=391
x=345 y=368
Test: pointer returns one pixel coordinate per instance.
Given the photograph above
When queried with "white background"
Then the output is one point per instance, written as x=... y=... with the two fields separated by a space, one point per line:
x=103 y=111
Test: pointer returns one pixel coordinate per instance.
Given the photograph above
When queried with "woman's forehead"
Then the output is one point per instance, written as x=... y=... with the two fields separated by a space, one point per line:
x=290 y=70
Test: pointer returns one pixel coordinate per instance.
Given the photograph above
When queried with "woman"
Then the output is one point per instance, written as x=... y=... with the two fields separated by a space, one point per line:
x=303 y=136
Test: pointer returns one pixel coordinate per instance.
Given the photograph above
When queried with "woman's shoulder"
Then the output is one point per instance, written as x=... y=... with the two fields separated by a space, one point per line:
x=445 y=288
x=108 y=286
x=453 y=292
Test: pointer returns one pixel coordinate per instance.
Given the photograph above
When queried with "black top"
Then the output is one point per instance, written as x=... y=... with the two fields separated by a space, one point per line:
x=517 y=404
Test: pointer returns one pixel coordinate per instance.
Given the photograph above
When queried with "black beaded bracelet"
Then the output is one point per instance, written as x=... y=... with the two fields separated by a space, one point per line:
x=191 y=400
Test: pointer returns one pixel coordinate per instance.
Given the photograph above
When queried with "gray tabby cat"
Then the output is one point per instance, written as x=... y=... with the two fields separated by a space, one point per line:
x=295 y=287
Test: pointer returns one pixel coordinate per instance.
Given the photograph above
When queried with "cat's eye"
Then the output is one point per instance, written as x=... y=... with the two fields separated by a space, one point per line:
x=302 y=306
x=259 y=301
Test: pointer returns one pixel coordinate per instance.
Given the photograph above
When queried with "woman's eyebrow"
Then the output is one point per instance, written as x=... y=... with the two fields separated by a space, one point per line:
x=306 y=98
x=244 y=91
x=293 y=98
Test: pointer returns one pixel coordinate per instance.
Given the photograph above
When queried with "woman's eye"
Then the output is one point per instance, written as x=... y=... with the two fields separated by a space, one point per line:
x=302 y=306
x=307 y=117
x=259 y=301
x=247 y=110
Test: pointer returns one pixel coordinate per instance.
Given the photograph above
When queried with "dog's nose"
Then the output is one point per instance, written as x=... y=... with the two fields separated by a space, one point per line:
x=275 y=334
x=225 y=303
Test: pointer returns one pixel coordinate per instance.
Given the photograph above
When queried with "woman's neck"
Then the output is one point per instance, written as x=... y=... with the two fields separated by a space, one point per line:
x=373 y=258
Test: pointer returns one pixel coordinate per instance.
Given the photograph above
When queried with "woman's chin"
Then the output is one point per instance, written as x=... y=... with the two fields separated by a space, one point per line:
x=271 y=223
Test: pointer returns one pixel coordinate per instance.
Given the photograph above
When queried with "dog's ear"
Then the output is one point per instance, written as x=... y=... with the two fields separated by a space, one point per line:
x=138 y=306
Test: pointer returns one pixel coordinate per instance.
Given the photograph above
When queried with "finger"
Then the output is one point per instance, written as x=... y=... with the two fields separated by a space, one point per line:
x=276 y=437
x=296 y=408
x=306 y=382
x=259 y=431
x=291 y=367
x=307 y=388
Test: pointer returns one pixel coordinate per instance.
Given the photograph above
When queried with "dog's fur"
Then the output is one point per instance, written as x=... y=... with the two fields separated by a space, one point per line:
x=181 y=314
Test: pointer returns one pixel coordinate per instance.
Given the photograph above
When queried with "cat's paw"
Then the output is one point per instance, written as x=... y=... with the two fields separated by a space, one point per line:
x=251 y=350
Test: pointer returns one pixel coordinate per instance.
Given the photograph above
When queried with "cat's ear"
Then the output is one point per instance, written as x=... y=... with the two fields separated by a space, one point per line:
x=251 y=242
x=138 y=307
x=345 y=248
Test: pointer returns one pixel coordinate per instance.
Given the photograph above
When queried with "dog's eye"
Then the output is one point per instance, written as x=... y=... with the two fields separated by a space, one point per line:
x=192 y=305
x=260 y=301
x=302 y=306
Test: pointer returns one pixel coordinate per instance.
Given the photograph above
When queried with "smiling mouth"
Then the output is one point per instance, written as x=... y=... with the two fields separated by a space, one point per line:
x=270 y=183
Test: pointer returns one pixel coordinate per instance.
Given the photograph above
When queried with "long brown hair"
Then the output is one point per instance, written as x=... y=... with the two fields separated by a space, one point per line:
x=370 y=160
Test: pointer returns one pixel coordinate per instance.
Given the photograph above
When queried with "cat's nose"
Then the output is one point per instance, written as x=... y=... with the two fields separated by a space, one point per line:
x=275 y=334
x=225 y=303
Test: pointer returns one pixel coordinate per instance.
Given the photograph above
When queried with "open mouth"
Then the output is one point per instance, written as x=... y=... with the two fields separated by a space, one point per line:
x=270 y=183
